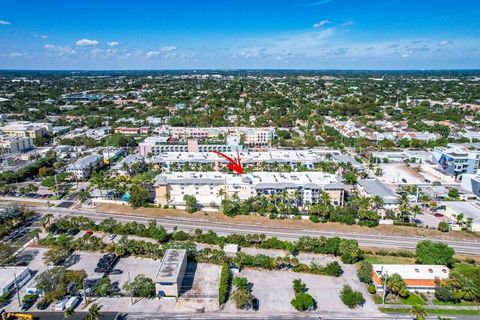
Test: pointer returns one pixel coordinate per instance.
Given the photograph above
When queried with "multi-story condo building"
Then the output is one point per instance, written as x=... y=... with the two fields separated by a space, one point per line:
x=26 y=129
x=15 y=145
x=307 y=187
x=157 y=145
x=263 y=161
x=253 y=137
x=456 y=160
x=82 y=168
x=471 y=183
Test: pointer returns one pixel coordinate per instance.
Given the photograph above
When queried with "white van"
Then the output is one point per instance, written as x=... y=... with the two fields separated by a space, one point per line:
x=60 y=305
x=72 y=302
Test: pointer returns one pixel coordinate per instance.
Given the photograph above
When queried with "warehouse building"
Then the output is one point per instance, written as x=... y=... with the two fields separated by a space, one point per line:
x=169 y=277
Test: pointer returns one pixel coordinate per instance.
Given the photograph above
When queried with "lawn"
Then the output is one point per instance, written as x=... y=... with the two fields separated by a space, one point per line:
x=377 y=298
x=413 y=299
x=376 y=259
x=448 y=303
x=434 y=311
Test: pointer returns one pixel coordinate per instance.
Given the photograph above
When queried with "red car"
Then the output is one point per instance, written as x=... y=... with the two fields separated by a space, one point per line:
x=88 y=232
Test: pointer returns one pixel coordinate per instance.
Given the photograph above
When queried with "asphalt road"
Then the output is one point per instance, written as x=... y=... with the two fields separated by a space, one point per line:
x=469 y=247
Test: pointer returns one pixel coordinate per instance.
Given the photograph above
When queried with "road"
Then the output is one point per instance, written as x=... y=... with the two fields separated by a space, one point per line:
x=468 y=247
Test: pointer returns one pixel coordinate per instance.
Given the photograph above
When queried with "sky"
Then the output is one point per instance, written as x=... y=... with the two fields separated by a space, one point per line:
x=239 y=34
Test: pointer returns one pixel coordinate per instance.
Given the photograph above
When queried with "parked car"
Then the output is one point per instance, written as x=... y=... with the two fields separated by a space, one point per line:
x=255 y=304
x=112 y=236
x=88 y=232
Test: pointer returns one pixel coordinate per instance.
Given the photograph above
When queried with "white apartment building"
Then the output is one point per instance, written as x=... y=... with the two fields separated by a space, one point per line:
x=15 y=145
x=257 y=160
x=170 y=188
x=82 y=168
x=26 y=129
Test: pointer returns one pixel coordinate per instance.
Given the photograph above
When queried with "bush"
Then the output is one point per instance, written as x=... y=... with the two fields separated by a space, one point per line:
x=364 y=272
x=443 y=226
x=303 y=301
x=141 y=286
x=429 y=252
x=224 y=287
x=351 y=298
x=299 y=286
x=371 y=289
x=314 y=218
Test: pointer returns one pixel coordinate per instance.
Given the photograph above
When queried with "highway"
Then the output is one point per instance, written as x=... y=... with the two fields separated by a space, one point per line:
x=467 y=247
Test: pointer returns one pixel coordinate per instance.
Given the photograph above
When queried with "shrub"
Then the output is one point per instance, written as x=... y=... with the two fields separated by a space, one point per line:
x=443 y=226
x=224 y=287
x=351 y=298
x=303 y=301
x=429 y=252
x=364 y=271
x=371 y=289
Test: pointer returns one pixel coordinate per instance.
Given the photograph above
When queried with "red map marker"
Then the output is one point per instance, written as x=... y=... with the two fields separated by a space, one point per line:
x=233 y=165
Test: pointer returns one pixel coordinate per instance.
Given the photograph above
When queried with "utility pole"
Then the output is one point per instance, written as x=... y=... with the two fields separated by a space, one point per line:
x=17 y=289
x=385 y=279
x=130 y=289
x=56 y=185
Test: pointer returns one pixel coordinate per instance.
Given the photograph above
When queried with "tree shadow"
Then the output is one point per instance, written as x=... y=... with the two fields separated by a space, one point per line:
x=71 y=260
x=25 y=257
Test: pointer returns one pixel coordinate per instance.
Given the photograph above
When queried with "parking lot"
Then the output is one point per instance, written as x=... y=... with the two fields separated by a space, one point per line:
x=399 y=173
x=274 y=290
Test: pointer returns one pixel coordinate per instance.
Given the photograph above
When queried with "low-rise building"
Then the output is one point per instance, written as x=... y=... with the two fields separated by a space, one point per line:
x=373 y=187
x=82 y=168
x=469 y=209
x=11 y=277
x=417 y=277
x=26 y=129
x=169 y=277
x=155 y=146
x=207 y=187
x=15 y=145
x=132 y=131
x=125 y=166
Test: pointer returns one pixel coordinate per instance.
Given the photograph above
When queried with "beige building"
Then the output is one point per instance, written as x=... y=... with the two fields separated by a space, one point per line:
x=24 y=129
x=169 y=277
x=15 y=144
x=207 y=187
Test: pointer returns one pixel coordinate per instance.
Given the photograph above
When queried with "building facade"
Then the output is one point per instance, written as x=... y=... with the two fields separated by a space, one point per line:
x=456 y=160
x=169 y=277
x=15 y=145
x=82 y=168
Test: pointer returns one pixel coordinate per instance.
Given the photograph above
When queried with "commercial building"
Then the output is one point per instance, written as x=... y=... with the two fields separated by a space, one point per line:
x=15 y=145
x=417 y=277
x=470 y=211
x=125 y=166
x=471 y=183
x=373 y=187
x=82 y=168
x=207 y=187
x=415 y=156
x=132 y=131
x=456 y=160
x=10 y=275
x=82 y=97
x=169 y=277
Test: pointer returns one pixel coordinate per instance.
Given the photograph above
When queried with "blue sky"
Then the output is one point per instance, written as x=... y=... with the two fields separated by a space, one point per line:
x=198 y=34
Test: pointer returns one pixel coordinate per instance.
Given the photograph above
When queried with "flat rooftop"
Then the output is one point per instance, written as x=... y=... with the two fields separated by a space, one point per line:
x=470 y=209
x=413 y=271
x=7 y=274
x=171 y=265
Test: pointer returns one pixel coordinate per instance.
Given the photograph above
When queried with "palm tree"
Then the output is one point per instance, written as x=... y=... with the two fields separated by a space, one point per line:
x=418 y=312
x=46 y=220
x=68 y=313
x=222 y=194
x=377 y=201
x=416 y=210
x=94 y=312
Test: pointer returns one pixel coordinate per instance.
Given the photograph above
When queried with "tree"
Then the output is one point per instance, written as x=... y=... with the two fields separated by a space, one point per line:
x=242 y=299
x=68 y=313
x=453 y=193
x=364 y=271
x=103 y=287
x=141 y=286
x=429 y=252
x=241 y=283
x=418 y=312
x=349 y=251
x=190 y=203
x=299 y=286
x=139 y=196
x=55 y=256
x=94 y=312
x=395 y=284
x=303 y=301
x=443 y=226
x=351 y=298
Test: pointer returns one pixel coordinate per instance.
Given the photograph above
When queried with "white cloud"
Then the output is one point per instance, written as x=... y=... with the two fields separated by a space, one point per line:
x=321 y=23
x=152 y=54
x=86 y=42
x=4 y=22
x=167 y=49
x=347 y=24
x=444 y=43
x=59 y=50
x=113 y=43
x=41 y=36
